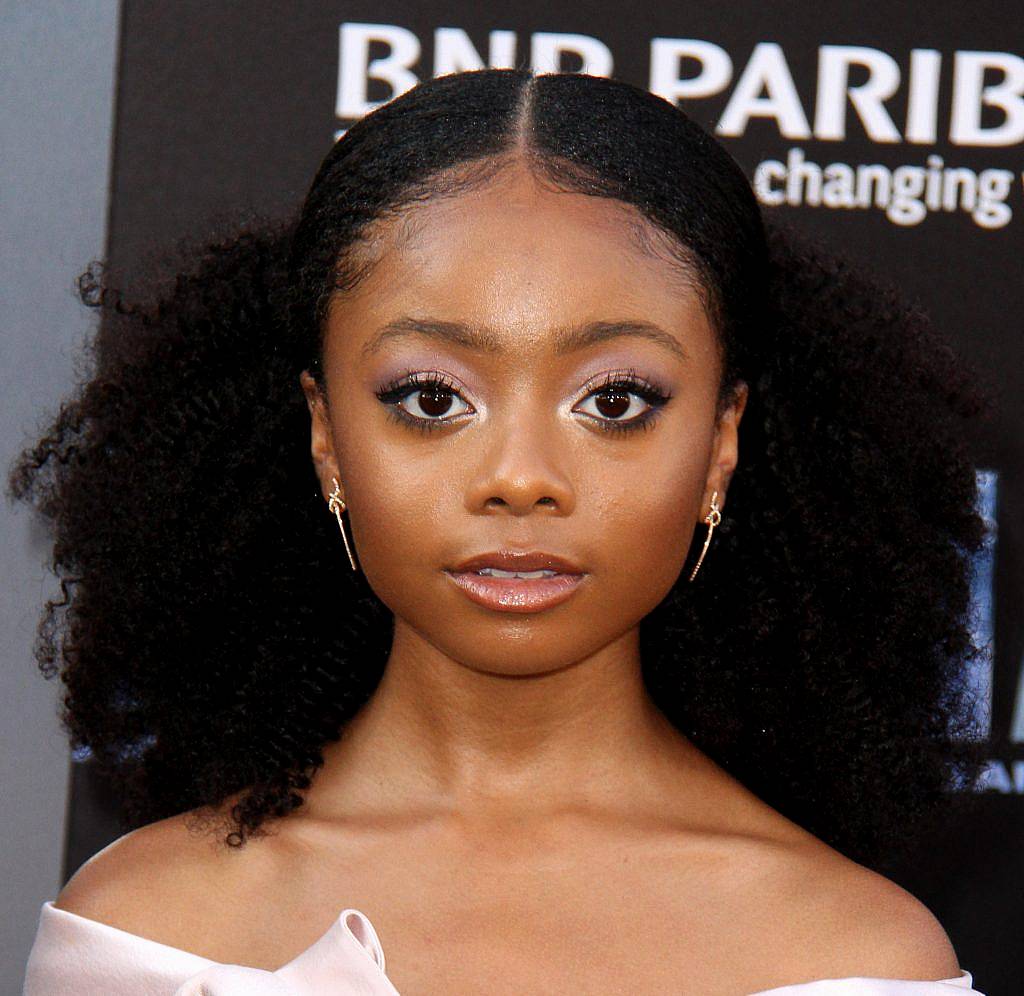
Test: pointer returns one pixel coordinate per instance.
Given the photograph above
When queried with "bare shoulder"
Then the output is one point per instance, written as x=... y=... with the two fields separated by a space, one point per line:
x=860 y=922
x=893 y=929
x=144 y=881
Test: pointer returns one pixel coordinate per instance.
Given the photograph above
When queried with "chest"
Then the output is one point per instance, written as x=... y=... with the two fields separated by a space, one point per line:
x=596 y=924
x=624 y=946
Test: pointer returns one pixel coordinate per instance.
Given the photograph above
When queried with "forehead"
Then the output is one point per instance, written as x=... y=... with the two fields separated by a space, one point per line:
x=523 y=260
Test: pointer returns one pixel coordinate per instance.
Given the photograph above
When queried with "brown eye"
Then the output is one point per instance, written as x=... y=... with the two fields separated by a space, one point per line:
x=423 y=400
x=613 y=403
x=433 y=402
x=625 y=401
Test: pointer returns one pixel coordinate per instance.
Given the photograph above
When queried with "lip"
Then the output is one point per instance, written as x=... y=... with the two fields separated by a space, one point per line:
x=519 y=560
x=517 y=594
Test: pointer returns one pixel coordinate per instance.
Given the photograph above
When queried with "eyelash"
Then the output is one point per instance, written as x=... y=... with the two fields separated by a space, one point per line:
x=629 y=380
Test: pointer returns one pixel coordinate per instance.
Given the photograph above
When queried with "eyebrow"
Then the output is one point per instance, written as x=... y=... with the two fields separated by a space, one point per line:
x=567 y=339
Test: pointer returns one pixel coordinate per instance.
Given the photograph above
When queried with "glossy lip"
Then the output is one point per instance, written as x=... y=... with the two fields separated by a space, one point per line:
x=517 y=594
x=518 y=560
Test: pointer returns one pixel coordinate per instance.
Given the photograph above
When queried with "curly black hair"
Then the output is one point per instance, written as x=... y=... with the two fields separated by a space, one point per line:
x=209 y=644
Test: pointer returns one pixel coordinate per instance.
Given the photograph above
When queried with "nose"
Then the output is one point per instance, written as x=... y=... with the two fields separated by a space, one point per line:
x=525 y=467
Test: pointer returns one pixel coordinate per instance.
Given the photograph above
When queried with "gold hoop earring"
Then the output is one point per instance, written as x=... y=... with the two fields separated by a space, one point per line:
x=337 y=505
x=713 y=518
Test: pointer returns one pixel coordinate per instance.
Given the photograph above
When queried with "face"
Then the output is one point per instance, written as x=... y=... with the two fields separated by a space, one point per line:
x=490 y=386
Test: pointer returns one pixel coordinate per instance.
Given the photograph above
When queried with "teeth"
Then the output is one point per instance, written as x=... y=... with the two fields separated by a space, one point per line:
x=496 y=573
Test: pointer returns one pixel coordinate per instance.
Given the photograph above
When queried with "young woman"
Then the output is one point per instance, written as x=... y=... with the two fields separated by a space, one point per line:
x=527 y=564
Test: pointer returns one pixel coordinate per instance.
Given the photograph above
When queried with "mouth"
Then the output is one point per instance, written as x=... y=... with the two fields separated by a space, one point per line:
x=516 y=593
x=511 y=581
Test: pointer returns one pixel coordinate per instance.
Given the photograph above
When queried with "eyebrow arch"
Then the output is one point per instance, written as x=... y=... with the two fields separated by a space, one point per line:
x=567 y=339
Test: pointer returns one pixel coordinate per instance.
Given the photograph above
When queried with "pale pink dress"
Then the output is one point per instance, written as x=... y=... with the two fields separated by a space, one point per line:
x=75 y=956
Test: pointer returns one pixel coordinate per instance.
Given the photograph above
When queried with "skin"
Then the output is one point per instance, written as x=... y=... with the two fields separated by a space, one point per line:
x=479 y=707
x=510 y=809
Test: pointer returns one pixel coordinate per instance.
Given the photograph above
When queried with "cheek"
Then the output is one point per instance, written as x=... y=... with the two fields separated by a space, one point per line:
x=404 y=510
x=647 y=521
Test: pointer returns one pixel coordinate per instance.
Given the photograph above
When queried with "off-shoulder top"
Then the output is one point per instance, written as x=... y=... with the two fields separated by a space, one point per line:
x=75 y=956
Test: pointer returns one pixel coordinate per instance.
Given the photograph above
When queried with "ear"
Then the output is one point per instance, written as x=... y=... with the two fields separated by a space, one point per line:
x=325 y=462
x=725 y=451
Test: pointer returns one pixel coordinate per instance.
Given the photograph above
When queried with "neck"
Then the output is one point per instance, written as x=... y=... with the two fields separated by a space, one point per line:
x=439 y=736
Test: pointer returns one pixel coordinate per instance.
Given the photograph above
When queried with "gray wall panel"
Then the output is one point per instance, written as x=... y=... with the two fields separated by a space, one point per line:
x=56 y=104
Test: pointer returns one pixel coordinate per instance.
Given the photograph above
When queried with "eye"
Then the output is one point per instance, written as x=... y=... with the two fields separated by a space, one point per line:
x=426 y=401
x=625 y=401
